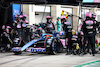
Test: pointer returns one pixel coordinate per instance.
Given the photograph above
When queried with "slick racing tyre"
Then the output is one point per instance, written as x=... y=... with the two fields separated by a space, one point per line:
x=59 y=46
x=51 y=47
x=54 y=47
x=17 y=53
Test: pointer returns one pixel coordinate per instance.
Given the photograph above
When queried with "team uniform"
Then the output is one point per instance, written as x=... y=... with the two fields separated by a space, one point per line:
x=89 y=30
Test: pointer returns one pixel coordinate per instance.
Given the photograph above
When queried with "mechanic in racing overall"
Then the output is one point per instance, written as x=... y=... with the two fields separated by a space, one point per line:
x=68 y=31
x=88 y=29
x=17 y=19
x=6 y=38
x=25 y=32
x=49 y=25
x=80 y=38
x=67 y=28
x=96 y=26
x=63 y=19
x=96 y=22
x=16 y=26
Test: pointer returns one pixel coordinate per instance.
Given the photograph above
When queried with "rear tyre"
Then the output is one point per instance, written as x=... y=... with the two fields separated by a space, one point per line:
x=54 y=47
x=51 y=47
x=59 y=46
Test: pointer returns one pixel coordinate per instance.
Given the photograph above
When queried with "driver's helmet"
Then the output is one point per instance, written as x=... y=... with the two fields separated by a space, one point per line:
x=61 y=33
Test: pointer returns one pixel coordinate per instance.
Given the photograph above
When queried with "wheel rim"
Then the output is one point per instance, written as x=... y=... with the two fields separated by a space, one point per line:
x=54 y=46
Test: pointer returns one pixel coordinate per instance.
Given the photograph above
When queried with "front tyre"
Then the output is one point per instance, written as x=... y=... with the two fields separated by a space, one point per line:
x=17 y=53
x=51 y=47
x=54 y=47
x=59 y=46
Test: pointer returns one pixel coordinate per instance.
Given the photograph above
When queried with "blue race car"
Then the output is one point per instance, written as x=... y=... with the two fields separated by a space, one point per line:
x=46 y=43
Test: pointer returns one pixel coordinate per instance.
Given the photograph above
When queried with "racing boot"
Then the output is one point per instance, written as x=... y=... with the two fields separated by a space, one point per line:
x=82 y=54
x=93 y=55
x=69 y=52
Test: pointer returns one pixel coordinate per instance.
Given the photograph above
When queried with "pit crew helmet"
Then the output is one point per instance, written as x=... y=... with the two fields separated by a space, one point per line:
x=24 y=15
x=17 y=16
x=88 y=14
x=48 y=17
x=63 y=17
x=73 y=32
x=26 y=21
x=8 y=27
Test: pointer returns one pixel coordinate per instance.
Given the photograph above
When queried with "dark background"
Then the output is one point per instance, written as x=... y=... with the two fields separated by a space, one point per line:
x=6 y=10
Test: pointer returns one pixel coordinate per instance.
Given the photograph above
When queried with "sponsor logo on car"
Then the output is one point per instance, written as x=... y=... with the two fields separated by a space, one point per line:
x=38 y=50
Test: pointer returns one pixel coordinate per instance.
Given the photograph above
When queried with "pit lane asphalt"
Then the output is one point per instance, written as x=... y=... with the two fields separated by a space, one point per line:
x=27 y=59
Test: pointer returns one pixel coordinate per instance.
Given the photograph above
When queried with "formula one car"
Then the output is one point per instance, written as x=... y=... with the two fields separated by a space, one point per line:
x=45 y=43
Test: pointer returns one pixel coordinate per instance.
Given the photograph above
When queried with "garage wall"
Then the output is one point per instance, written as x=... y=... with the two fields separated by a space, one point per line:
x=69 y=10
x=29 y=10
x=39 y=11
x=38 y=17
x=26 y=10
x=75 y=19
